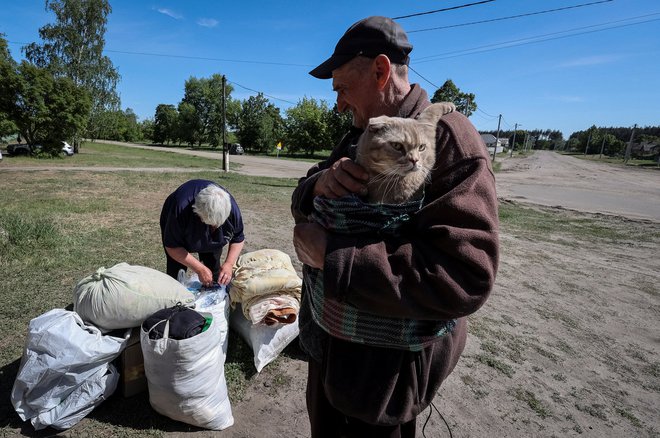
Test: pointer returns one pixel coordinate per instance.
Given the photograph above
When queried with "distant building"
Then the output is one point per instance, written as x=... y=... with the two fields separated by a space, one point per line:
x=646 y=149
x=490 y=140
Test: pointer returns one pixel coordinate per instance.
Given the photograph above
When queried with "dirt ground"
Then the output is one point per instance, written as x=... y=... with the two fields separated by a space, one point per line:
x=567 y=345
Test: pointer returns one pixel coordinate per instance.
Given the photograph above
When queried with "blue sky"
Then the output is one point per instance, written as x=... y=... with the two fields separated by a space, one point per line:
x=565 y=70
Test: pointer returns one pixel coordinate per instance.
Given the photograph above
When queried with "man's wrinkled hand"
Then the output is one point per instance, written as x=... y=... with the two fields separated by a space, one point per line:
x=342 y=178
x=310 y=242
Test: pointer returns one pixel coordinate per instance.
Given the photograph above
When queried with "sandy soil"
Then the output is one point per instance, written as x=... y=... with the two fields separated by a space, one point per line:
x=568 y=343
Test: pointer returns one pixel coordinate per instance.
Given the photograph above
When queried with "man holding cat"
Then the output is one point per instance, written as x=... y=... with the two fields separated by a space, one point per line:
x=413 y=286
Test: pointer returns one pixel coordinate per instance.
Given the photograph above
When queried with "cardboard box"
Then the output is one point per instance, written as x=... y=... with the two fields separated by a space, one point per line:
x=132 y=380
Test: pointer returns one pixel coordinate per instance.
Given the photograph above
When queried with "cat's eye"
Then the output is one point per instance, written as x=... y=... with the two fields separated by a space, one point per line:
x=422 y=147
x=397 y=146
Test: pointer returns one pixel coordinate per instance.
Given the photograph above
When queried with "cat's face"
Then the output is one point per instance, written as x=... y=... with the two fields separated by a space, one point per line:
x=399 y=154
x=397 y=146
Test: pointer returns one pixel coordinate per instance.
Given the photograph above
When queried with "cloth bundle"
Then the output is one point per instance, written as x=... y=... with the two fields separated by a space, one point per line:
x=123 y=295
x=267 y=286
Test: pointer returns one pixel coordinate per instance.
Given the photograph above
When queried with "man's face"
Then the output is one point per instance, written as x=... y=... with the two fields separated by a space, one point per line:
x=355 y=93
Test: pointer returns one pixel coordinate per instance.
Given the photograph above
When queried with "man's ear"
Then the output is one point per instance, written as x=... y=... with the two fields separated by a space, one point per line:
x=382 y=69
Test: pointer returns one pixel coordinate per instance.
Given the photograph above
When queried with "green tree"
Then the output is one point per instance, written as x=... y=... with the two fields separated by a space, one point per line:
x=188 y=127
x=259 y=124
x=147 y=129
x=205 y=96
x=166 y=122
x=338 y=124
x=129 y=128
x=449 y=92
x=45 y=109
x=306 y=127
x=8 y=79
x=73 y=48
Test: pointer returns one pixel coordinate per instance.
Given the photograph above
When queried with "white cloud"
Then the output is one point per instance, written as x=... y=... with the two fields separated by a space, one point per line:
x=170 y=13
x=207 y=22
x=591 y=60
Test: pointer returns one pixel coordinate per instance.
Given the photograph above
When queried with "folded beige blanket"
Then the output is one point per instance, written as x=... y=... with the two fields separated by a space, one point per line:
x=268 y=287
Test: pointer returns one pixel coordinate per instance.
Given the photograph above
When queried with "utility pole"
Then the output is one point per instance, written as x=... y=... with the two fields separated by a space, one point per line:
x=225 y=152
x=588 y=141
x=515 y=130
x=497 y=137
x=602 y=145
x=629 y=147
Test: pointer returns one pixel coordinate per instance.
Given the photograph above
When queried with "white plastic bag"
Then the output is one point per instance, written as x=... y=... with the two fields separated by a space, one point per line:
x=267 y=342
x=186 y=377
x=65 y=370
x=124 y=295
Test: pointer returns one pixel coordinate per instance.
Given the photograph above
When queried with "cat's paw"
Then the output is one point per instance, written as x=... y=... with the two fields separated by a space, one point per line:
x=447 y=107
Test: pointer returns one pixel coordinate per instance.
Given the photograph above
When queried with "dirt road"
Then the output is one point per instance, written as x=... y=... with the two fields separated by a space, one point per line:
x=551 y=179
x=544 y=178
x=249 y=165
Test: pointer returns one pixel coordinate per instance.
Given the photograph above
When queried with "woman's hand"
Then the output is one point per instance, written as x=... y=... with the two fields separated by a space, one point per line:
x=205 y=275
x=225 y=274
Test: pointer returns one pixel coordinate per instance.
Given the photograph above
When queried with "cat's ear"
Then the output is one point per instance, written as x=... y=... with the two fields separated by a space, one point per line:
x=377 y=124
x=434 y=112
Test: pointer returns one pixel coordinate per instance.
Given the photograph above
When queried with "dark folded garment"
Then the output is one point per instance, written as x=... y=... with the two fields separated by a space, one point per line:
x=184 y=323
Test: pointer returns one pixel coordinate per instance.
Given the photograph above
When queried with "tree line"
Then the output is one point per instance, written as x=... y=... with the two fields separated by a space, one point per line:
x=65 y=89
x=308 y=127
x=610 y=141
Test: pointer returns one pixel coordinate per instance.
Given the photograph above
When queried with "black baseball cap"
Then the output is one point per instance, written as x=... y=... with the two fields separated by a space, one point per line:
x=368 y=37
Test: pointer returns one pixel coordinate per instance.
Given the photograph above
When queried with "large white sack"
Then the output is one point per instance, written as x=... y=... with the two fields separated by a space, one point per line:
x=80 y=402
x=186 y=378
x=266 y=341
x=65 y=370
x=125 y=295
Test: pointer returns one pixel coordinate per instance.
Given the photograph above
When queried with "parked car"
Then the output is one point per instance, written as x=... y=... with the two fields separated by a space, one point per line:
x=67 y=149
x=26 y=149
x=235 y=149
x=19 y=149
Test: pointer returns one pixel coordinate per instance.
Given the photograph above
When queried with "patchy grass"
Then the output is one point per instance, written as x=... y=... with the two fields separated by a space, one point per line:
x=496 y=364
x=534 y=403
x=595 y=410
x=541 y=224
x=630 y=417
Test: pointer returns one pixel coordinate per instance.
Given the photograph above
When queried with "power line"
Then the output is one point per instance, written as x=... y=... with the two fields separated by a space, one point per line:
x=489 y=115
x=256 y=91
x=442 y=10
x=435 y=86
x=507 y=44
x=202 y=58
x=480 y=116
x=417 y=73
x=510 y=17
x=209 y=59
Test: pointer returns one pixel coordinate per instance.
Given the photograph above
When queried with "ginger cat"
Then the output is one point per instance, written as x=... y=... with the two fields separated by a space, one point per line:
x=399 y=154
